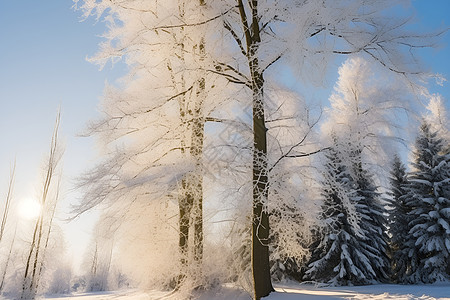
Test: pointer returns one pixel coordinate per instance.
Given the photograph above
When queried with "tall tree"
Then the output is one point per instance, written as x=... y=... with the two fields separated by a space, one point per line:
x=262 y=34
x=352 y=248
x=437 y=116
x=361 y=113
x=9 y=196
x=253 y=36
x=398 y=220
x=338 y=257
x=428 y=199
x=8 y=260
x=39 y=241
x=372 y=213
x=181 y=81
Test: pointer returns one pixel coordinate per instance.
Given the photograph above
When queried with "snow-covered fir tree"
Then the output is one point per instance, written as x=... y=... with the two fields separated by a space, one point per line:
x=332 y=260
x=352 y=248
x=428 y=198
x=398 y=221
x=371 y=210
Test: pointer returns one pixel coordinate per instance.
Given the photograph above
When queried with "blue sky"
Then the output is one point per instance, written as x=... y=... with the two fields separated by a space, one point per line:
x=432 y=15
x=43 y=50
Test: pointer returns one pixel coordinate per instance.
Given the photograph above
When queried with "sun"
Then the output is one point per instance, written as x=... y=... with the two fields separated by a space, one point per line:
x=29 y=208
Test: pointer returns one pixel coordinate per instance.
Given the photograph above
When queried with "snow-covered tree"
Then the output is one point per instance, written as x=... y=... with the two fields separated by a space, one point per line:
x=428 y=199
x=398 y=221
x=261 y=33
x=335 y=258
x=364 y=108
x=36 y=254
x=9 y=197
x=371 y=210
x=243 y=42
x=6 y=211
x=437 y=116
x=157 y=118
x=363 y=118
x=352 y=247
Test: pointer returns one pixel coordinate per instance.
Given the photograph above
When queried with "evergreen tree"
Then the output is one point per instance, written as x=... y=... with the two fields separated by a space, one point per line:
x=340 y=258
x=372 y=213
x=398 y=221
x=428 y=198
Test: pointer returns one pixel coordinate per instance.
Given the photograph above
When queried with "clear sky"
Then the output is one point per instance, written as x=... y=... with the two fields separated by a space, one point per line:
x=43 y=50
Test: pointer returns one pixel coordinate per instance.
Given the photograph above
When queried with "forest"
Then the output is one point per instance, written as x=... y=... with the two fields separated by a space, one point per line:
x=213 y=171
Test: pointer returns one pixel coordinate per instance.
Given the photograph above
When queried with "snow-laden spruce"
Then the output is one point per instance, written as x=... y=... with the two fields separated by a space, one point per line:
x=428 y=198
x=371 y=210
x=398 y=221
x=352 y=249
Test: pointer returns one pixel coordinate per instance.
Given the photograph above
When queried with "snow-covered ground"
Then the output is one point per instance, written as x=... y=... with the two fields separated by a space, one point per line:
x=289 y=292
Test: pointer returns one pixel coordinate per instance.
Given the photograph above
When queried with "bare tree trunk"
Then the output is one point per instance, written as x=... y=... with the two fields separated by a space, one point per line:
x=29 y=284
x=198 y=136
x=94 y=261
x=2 y=282
x=33 y=281
x=191 y=198
x=185 y=207
x=41 y=266
x=8 y=200
x=260 y=217
x=3 y=224
x=196 y=178
x=26 y=278
x=185 y=201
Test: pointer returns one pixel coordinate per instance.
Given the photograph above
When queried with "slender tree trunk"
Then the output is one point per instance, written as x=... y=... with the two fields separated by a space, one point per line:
x=185 y=204
x=8 y=200
x=198 y=136
x=185 y=201
x=47 y=238
x=94 y=261
x=26 y=277
x=29 y=279
x=2 y=282
x=33 y=281
x=260 y=218
x=191 y=199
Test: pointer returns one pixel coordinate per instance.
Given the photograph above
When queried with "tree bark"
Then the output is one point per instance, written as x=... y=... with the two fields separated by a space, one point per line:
x=260 y=217
x=185 y=207
x=191 y=204
x=262 y=283
x=198 y=136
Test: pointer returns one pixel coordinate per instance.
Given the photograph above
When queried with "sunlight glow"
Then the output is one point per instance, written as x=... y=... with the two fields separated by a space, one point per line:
x=29 y=209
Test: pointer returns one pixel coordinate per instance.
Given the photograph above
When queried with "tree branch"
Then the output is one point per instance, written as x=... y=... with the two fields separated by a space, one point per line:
x=192 y=24
x=235 y=36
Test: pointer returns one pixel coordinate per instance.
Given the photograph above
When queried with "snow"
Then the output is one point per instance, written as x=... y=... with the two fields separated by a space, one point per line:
x=289 y=291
